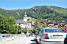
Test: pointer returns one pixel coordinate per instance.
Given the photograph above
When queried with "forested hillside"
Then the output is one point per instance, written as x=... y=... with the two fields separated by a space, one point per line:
x=52 y=13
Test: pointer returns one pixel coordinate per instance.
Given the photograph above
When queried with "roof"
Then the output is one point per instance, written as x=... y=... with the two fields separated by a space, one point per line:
x=20 y=21
x=50 y=28
x=65 y=25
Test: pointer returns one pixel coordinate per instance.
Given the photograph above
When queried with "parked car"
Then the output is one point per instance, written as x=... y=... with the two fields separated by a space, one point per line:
x=50 y=34
x=65 y=40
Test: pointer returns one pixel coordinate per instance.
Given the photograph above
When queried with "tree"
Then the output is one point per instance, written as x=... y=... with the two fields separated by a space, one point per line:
x=24 y=30
x=8 y=25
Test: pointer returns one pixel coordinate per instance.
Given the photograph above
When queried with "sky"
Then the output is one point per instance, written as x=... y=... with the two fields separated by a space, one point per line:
x=25 y=4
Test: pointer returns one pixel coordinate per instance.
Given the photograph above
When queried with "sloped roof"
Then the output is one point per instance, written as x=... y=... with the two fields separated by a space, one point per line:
x=50 y=28
x=20 y=21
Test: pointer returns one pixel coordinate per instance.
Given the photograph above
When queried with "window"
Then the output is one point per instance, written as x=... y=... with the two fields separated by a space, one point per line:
x=53 y=30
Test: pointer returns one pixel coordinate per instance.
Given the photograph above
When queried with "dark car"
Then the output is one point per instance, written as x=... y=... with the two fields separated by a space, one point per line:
x=65 y=40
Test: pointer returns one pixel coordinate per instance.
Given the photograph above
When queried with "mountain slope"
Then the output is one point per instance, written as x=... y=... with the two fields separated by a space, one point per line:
x=53 y=13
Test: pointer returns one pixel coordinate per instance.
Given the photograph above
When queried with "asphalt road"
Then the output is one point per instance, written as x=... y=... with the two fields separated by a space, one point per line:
x=53 y=42
x=26 y=40
x=50 y=43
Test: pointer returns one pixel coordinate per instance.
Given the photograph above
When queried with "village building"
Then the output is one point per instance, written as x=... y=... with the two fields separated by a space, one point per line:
x=26 y=22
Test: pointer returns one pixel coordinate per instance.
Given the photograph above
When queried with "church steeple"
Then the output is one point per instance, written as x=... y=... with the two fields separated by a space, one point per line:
x=26 y=18
x=25 y=14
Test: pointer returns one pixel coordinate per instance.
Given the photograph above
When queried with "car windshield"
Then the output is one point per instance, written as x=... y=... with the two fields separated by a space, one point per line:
x=53 y=30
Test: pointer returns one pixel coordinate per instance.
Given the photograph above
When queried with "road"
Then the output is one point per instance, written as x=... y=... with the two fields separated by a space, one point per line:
x=25 y=40
x=18 y=39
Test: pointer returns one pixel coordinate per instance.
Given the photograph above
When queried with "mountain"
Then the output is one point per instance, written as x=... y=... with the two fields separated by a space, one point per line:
x=52 y=13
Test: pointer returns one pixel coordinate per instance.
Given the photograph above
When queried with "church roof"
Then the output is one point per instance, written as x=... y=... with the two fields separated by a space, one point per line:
x=20 y=21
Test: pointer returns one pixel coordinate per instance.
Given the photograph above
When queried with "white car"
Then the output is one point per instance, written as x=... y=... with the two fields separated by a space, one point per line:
x=51 y=34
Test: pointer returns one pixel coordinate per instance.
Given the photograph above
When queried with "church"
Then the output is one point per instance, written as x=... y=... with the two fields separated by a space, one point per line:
x=26 y=22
